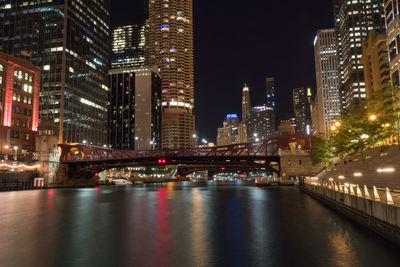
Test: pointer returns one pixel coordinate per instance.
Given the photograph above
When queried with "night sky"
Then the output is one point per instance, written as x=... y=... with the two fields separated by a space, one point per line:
x=246 y=41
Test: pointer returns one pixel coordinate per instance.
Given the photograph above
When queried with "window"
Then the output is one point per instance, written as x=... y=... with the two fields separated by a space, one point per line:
x=1 y=68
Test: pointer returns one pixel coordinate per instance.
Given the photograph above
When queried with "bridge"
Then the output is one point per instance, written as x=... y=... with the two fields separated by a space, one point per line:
x=86 y=161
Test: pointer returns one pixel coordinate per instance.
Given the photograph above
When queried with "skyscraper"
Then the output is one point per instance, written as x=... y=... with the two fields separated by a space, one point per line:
x=353 y=20
x=375 y=60
x=392 y=10
x=327 y=100
x=271 y=98
x=302 y=110
x=261 y=123
x=245 y=103
x=69 y=41
x=135 y=108
x=170 y=48
x=228 y=134
x=128 y=43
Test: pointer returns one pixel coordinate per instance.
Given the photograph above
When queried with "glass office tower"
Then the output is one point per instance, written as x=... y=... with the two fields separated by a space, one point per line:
x=69 y=41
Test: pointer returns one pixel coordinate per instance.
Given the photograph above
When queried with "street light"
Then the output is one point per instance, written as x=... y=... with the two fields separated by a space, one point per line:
x=372 y=117
x=204 y=141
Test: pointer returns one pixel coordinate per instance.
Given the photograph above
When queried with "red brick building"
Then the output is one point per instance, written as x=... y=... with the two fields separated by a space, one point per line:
x=19 y=105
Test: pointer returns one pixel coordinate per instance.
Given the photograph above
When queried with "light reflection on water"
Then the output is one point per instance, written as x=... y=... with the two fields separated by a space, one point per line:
x=181 y=225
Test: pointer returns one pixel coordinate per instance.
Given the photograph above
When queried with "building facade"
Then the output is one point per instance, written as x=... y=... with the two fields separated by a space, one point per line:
x=19 y=102
x=392 y=20
x=69 y=41
x=261 y=123
x=353 y=20
x=229 y=134
x=135 y=109
x=302 y=110
x=128 y=43
x=170 y=48
x=327 y=99
x=271 y=97
x=246 y=104
x=376 y=62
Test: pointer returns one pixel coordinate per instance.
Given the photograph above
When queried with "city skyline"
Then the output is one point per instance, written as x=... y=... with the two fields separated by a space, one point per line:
x=262 y=57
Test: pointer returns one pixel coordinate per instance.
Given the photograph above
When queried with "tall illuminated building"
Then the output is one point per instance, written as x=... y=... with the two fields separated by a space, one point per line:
x=271 y=98
x=135 y=109
x=128 y=43
x=69 y=41
x=392 y=20
x=353 y=20
x=261 y=123
x=302 y=110
x=170 y=48
x=327 y=102
x=246 y=105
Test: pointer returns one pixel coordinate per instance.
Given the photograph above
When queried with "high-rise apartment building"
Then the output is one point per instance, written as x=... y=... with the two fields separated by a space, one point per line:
x=327 y=99
x=375 y=60
x=302 y=110
x=170 y=48
x=135 y=109
x=261 y=123
x=19 y=101
x=353 y=20
x=392 y=20
x=69 y=41
x=128 y=43
x=245 y=103
x=228 y=134
x=271 y=97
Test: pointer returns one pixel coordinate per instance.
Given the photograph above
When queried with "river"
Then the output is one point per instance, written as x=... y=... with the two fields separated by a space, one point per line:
x=181 y=224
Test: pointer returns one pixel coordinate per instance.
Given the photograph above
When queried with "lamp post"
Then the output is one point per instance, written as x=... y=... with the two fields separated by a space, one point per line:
x=15 y=152
x=6 y=147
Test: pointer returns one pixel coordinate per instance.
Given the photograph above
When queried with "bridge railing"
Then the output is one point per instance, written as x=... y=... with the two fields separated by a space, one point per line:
x=267 y=147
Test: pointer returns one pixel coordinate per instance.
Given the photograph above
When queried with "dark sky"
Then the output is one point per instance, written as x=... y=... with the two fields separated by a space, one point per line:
x=246 y=41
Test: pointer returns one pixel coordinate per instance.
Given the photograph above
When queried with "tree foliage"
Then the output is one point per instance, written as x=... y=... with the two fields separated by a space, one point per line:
x=363 y=127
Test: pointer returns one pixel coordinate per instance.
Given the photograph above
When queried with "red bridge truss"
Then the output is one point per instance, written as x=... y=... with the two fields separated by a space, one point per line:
x=84 y=158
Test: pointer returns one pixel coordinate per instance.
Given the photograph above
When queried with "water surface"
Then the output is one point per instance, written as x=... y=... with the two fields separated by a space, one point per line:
x=181 y=225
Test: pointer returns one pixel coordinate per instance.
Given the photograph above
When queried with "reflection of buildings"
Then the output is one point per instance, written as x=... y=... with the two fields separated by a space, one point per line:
x=232 y=131
x=170 y=48
x=135 y=108
x=353 y=20
x=302 y=109
x=69 y=41
x=128 y=43
x=19 y=105
x=261 y=124
x=326 y=105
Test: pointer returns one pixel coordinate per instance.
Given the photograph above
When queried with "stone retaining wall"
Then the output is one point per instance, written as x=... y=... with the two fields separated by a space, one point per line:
x=379 y=217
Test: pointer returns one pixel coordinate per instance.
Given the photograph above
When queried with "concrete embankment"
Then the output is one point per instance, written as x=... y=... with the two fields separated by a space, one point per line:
x=382 y=218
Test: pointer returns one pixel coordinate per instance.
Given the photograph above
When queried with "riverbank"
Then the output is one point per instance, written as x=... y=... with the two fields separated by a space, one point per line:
x=373 y=213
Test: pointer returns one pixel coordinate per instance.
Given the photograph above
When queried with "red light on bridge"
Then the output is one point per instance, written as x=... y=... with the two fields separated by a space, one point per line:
x=162 y=161
x=223 y=168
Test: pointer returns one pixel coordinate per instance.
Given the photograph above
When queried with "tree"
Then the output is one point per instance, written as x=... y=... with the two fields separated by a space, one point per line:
x=361 y=128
